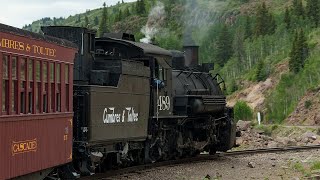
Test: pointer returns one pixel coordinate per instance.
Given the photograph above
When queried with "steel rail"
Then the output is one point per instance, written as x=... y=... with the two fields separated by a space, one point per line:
x=200 y=158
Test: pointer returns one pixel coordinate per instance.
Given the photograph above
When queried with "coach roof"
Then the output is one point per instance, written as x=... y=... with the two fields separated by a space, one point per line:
x=20 y=32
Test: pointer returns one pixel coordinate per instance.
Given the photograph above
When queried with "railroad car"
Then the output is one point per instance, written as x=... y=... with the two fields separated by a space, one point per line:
x=137 y=103
x=36 y=95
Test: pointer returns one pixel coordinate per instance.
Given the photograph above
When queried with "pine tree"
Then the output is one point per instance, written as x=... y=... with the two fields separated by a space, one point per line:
x=294 y=54
x=126 y=12
x=248 y=28
x=142 y=7
x=224 y=46
x=265 y=23
x=312 y=11
x=86 y=21
x=260 y=75
x=298 y=8
x=304 y=49
x=96 y=21
x=299 y=52
x=271 y=25
x=118 y=16
x=287 y=19
x=103 y=27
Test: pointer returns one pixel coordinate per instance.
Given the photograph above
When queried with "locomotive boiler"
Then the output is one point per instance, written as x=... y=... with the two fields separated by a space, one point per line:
x=137 y=103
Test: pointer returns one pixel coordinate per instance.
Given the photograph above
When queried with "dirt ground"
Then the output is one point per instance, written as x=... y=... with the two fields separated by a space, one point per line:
x=286 y=165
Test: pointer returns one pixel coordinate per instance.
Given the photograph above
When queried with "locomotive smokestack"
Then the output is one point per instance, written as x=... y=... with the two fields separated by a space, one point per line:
x=191 y=50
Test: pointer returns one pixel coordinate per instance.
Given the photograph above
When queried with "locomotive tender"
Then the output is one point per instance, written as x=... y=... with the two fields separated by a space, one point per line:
x=132 y=103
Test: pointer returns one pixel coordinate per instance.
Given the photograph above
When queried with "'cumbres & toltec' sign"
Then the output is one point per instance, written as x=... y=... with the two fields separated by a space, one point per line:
x=128 y=114
x=24 y=47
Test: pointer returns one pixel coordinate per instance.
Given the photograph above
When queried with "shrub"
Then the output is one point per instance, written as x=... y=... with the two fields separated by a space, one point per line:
x=315 y=165
x=242 y=111
x=307 y=104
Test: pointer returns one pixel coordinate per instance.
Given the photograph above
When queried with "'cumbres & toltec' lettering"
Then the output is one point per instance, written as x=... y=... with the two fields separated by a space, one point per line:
x=29 y=48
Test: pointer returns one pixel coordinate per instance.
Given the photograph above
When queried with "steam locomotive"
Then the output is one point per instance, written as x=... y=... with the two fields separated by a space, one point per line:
x=133 y=103
x=137 y=103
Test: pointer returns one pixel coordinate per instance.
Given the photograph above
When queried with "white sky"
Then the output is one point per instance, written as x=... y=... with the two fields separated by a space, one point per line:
x=21 y=12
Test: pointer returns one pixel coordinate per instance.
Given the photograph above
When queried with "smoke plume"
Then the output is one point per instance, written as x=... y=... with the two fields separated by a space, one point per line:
x=155 y=19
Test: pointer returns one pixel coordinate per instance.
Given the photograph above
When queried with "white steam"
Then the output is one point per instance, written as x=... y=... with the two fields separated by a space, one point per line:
x=155 y=19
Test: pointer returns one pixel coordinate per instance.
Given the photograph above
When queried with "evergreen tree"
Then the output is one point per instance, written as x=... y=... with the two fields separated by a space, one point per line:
x=54 y=21
x=248 y=28
x=118 y=16
x=298 y=8
x=224 y=46
x=294 y=54
x=96 y=21
x=299 y=52
x=271 y=25
x=302 y=41
x=312 y=11
x=287 y=19
x=265 y=23
x=126 y=12
x=86 y=21
x=103 y=27
x=260 y=74
x=78 y=20
x=141 y=7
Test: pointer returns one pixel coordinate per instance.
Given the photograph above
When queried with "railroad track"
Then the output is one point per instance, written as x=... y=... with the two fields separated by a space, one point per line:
x=200 y=158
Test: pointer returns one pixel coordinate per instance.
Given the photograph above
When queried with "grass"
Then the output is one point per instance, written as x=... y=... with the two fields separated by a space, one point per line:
x=315 y=165
x=268 y=129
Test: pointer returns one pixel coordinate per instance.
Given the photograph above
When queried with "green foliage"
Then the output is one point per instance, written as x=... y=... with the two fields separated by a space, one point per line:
x=86 y=22
x=103 y=27
x=242 y=111
x=298 y=8
x=265 y=22
x=307 y=104
x=268 y=129
x=140 y=7
x=283 y=100
x=232 y=87
x=248 y=27
x=315 y=165
x=313 y=11
x=224 y=46
x=299 y=167
x=299 y=52
x=287 y=18
x=261 y=73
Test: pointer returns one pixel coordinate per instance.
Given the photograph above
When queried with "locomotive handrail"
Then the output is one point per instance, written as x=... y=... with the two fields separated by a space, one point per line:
x=222 y=80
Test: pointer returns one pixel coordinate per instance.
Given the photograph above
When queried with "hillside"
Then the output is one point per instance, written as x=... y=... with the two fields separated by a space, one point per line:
x=266 y=50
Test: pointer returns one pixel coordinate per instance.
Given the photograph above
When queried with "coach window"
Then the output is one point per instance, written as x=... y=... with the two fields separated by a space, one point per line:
x=38 y=85
x=58 y=92
x=5 y=85
x=45 y=89
x=30 y=74
x=52 y=70
x=23 y=85
x=14 y=84
x=67 y=86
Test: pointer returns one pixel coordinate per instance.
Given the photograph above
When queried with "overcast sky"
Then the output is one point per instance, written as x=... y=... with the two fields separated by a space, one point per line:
x=20 y=12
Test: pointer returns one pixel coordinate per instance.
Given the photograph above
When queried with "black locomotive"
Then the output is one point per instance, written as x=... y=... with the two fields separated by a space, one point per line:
x=138 y=103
